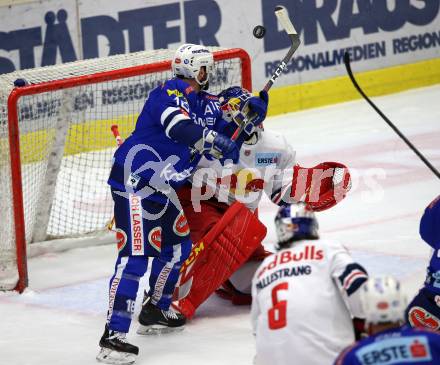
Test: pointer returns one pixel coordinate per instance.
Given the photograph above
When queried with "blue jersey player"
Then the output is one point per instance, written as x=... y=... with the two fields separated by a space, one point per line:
x=179 y=123
x=389 y=343
x=424 y=310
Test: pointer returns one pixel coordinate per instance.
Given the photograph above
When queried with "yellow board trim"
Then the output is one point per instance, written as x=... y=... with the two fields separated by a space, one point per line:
x=83 y=137
x=340 y=89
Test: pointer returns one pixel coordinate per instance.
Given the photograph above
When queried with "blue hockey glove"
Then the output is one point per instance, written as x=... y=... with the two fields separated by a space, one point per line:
x=258 y=107
x=227 y=148
x=256 y=111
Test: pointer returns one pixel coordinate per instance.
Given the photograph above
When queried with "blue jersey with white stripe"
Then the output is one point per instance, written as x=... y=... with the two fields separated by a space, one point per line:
x=400 y=346
x=172 y=119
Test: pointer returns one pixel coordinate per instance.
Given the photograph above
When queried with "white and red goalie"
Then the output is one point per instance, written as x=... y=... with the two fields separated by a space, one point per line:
x=267 y=165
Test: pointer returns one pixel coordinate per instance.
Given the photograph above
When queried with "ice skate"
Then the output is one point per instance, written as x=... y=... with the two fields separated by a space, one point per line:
x=154 y=320
x=115 y=349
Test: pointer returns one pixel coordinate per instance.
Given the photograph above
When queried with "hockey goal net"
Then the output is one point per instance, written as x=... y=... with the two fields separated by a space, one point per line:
x=56 y=145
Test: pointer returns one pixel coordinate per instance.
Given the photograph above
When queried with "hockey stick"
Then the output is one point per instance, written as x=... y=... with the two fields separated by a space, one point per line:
x=115 y=130
x=283 y=18
x=385 y=118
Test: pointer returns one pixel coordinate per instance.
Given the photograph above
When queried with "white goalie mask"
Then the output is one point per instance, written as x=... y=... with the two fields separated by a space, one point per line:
x=383 y=301
x=188 y=60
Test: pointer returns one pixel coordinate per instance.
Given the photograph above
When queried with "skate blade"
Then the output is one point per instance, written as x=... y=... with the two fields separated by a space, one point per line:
x=157 y=329
x=109 y=356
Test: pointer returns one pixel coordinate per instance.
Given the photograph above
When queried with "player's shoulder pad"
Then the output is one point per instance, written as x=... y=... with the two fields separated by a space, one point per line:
x=332 y=245
x=277 y=143
x=178 y=88
x=274 y=140
x=207 y=96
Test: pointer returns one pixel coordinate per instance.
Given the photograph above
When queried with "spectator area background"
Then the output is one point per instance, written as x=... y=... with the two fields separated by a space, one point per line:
x=396 y=42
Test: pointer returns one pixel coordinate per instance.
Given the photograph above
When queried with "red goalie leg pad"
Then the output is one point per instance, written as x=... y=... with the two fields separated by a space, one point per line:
x=217 y=255
x=322 y=186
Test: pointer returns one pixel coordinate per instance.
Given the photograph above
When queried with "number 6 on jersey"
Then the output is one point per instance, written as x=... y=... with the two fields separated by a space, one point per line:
x=277 y=315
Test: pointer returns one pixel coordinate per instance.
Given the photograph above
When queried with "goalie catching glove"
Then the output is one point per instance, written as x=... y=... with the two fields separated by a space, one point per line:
x=322 y=186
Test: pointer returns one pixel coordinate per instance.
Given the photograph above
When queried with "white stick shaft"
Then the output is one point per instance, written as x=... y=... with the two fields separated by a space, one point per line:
x=283 y=18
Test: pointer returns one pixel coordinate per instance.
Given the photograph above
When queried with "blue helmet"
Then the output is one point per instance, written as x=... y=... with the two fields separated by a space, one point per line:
x=232 y=101
x=293 y=223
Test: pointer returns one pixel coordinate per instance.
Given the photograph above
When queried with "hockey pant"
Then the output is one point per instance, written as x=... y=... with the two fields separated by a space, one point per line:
x=166 y=238
x=238 y=287
x=424 y=310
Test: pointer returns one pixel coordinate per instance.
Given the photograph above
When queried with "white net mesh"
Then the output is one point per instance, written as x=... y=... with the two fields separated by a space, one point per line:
x=66 y=144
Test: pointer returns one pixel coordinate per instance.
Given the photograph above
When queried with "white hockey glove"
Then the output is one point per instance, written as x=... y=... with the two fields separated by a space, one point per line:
x=218 y=146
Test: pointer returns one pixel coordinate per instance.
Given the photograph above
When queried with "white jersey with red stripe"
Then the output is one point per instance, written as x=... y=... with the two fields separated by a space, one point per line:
x=303 y=300
x=266 y=165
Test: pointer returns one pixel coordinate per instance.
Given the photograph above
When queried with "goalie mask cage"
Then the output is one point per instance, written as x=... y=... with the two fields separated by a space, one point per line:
x=56 y=145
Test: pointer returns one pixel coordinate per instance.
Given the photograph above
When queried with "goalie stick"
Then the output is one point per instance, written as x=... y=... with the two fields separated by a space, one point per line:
x=385 y=118
x=283 y=18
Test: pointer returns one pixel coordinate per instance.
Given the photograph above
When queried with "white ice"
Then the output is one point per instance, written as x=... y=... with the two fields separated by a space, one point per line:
x=60 y=318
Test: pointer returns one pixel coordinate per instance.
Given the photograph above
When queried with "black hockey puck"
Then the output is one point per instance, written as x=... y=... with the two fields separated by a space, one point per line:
x=259 y=31
x=20 y=82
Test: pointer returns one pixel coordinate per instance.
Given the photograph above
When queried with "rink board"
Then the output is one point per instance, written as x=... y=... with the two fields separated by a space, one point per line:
x=282 y=100
x=340 y=89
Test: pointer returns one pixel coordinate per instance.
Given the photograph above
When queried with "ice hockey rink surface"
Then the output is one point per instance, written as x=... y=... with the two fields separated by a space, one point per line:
x=60 y=317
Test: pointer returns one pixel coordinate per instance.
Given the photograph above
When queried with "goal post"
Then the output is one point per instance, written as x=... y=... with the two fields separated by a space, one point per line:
x=56 y=145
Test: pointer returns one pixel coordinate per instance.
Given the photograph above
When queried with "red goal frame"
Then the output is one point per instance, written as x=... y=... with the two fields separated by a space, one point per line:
x=14 y=132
